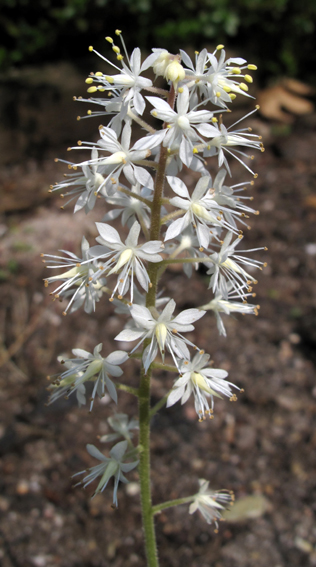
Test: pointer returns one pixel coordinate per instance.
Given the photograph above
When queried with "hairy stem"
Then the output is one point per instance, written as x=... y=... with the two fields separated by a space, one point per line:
x=144 y=389
x=170 y=503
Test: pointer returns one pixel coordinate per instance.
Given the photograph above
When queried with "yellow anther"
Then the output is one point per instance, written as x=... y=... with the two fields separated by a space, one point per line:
x=255 y=175
x=169 y=125
x=232 y=96
x=109 y=39
x=90 y=48
x=252 y=67
x=195 y=151
x=218 y=94
x=79 y=143
x=243 y=87
x=196 y=52
x=180 y=90
x=118 y=32
x=89 y=80
x=109 y=79
x=120 y=57
x=89 y=112
x=214 y=119
x=78 y=117
x=92 y=89
x=98 y=74
x=248 y=78
x=236 y=71
x=116 y=49
x=257 y=106
x=227 y=89
x=74 y=98
x=219 y=47
x=101 y=90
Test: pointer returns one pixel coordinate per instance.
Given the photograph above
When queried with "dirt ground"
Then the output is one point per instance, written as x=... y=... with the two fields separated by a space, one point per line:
x=262 y=446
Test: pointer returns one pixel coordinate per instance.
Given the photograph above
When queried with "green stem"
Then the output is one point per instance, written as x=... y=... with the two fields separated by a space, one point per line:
x=138 y=197
x=144 y=389
x=170 y=503
x=170 y=216
x=185 y=260
x=158 y=406
x=144 y=470
x=162 y=366
x=128 y=389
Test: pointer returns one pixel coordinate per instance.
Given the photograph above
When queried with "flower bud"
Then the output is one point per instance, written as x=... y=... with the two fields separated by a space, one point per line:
x=175 y=72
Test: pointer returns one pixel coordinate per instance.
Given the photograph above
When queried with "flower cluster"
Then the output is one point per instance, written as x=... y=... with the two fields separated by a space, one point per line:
x=164 y=221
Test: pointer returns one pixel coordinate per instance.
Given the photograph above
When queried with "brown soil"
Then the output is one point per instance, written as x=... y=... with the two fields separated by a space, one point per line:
x=262 y=445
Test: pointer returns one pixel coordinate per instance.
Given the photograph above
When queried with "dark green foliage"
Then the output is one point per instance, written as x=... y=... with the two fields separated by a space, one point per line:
x=279 y=34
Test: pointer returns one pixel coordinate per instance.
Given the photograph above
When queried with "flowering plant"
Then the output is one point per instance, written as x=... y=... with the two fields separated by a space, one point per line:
x=192 y=228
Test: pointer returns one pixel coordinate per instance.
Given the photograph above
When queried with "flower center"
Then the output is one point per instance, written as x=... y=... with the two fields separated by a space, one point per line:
x=183 y=123
x=200 y=211
x=161 y=335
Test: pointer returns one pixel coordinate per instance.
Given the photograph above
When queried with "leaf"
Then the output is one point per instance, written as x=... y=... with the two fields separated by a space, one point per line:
x=288 y=95
x=246 y=508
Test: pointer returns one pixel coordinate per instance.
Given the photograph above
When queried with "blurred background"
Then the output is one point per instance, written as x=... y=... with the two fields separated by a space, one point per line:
x=263 y=446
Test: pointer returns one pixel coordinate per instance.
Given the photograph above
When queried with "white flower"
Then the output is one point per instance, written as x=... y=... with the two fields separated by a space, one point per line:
x=122 y=159
x=226 y=138
x=163 y=330
x=214 y=79
x=122 y=426
x=221 y=305
x=125 y=258
x=187 y=247
x=86 y=185
x=113 y=466
x=210 y=503
x=78 y=282
x=89 y=367
x=227 y=269
x=199 y=213
x=196 y=378
x=229 y=200
x=184 y=127
x=127 y=81
x=131 y=208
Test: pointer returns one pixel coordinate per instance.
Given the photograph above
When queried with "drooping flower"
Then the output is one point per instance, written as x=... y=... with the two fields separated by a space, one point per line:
x=110 y=466
x=130 y=207
x=164 y=330
x=210 y=503
x=226 y=269
x=125 y=259
x=87 y=367
x=78 y=282
x=226 y=139
x=85 y=184
x=228 y=306
x=122 y=425
x=122 y=158
x=203 y=382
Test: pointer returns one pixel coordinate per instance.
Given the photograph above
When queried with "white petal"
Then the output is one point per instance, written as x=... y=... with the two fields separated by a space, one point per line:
x=174 y=396
x=133 y=235
x=175 y=228
x=94 y=452
x=129 y=335
x=188 y=316
x=117 y=357
x=108 y=233
x=178 y=186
